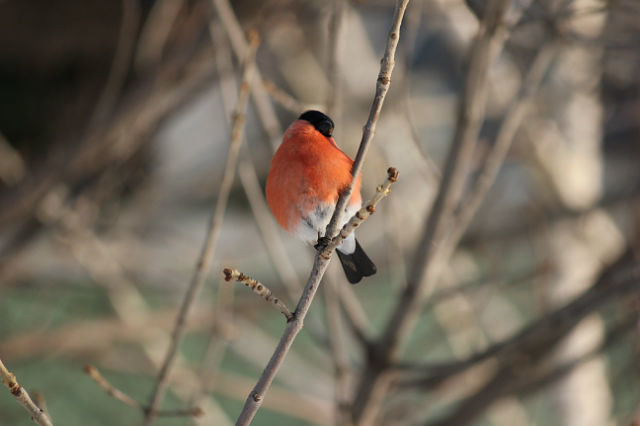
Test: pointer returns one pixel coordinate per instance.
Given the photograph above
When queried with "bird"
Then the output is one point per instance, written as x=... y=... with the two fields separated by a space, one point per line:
x=307 y=175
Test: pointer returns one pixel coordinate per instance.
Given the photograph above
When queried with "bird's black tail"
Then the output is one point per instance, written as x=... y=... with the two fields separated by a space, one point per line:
x=357 y=264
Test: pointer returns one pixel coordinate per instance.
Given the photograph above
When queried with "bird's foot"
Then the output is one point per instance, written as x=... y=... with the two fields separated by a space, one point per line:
x=322 y=243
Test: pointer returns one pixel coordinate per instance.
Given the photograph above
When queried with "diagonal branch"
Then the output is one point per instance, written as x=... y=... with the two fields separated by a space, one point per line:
x=282 y=98
x=239 y=45
x=321 y=262
x=375 y=380
x=541 y=334
x=206 y=255
x=522 y=356
x=470 y=117
x=382 y=86
x=125 y=48
x=248 y=175
x=339 y=351
x=126 y=399
x=515 y=114
x=362 y=214
x=258 y=288
x=295 y=323
x=21 y=395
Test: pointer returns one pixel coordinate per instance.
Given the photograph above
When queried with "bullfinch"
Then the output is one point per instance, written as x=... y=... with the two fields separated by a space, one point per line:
x=308 y=173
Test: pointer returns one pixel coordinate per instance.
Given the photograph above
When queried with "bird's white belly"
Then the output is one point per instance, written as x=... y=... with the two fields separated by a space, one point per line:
x=313 y=225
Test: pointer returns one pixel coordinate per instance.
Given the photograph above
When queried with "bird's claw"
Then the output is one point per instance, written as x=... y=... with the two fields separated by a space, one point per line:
x=322 y=243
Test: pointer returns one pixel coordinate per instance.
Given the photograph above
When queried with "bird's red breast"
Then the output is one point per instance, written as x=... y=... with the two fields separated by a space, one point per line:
x=308 y=172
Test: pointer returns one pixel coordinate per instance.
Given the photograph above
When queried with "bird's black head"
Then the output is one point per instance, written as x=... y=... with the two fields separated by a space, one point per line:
x=321 y=122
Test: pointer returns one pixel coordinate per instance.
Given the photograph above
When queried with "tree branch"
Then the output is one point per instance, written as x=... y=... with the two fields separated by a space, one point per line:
x=422 y=277
x=9 y=379
x=295 y=324
x=382 y=86
x=126 y=399
x=322 y=258
x=541 y=334
x=362 y=214
x=258 y=288
x=522 y=357
x=514 y=116
x=251 y=183
x=206 y=255
x=239 y=45
x=321 y=261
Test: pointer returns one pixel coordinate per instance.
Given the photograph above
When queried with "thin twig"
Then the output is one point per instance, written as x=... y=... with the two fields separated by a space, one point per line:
x=155 y=33
x=258 y=288
x=510 y=124
x=538 y=336
x=239 y=45
x=125 y=134
x=256 y=342
x=308 y=409
x=321 y=262
x=78 y=339
x=98 y=257
x=123 y=397
x=217 y=346
x=295 y=324
x=382 y=86
x=254 y=192
x=37 y=414
x=357 y=317
x=206 y=255
x=120 y=66
x=299 y=406
x=470 y=116
x=364 y=213
x=524 y=355
x=38 y=398
x=333 y=313
x=335 y=320
x=249 y=177
x=428 y=167
x=515 y=113
x=284 y=99
x=334 y=96
x=375 y=380
x=273 y=243
x=339 y=350
x=111 y=390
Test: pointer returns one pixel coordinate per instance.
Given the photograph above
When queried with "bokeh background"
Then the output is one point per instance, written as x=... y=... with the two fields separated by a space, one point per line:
x=114 y=130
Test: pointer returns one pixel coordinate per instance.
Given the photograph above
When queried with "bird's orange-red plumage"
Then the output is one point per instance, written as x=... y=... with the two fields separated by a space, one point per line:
x=307 y=169
x=308 y=174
